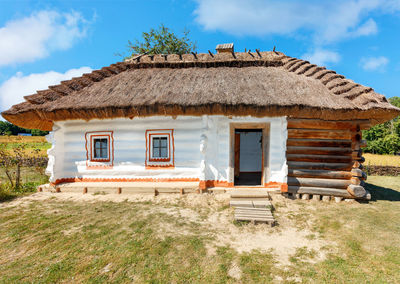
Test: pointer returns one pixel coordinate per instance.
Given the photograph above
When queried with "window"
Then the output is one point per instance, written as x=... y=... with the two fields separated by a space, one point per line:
x=99 y=149
x=159 y=148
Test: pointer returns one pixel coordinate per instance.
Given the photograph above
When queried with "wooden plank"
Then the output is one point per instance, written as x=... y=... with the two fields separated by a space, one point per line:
x=319 y=166
x=319 y=134
x=255 y=215
x=241 y=203
x=342 y=143
x=319 y=150
x=255 y=209
x=319 y=174
x=319 y=124
x=263 y=213
x=319 y=158
x=237 y=154
x=246 y=218
x=313 y=182
x=320 y=191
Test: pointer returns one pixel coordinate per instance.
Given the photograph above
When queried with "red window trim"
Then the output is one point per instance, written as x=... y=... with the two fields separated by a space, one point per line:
x=89 y=152
x=170 y=163
x=151 y=148
x=92 y=159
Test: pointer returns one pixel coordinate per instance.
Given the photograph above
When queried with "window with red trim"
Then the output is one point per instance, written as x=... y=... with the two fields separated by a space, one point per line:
x=100 y=148
x=159 y=148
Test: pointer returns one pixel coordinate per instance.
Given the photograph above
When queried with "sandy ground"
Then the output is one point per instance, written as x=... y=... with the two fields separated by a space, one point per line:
x=212 y=212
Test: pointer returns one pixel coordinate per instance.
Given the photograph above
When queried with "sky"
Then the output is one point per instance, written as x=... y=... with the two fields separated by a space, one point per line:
x=45 y=42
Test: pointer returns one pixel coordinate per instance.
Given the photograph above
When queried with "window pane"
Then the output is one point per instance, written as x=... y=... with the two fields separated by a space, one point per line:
x=156 y=142
x=97 y=153
x=104 y=153
x=156 y=152
x=104 y=143
x=164 y=153
x=164 y=142
x=101 y=148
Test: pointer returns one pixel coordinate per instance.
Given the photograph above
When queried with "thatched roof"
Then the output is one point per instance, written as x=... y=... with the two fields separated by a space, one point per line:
x=258 y=84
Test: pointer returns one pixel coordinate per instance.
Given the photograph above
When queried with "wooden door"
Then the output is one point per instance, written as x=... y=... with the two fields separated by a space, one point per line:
x=237 y=154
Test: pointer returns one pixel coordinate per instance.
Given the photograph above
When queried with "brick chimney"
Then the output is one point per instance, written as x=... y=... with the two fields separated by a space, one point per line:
x=224 y=47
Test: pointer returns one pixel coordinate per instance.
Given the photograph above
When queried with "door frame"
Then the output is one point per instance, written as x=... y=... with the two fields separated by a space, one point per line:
x=265 y=127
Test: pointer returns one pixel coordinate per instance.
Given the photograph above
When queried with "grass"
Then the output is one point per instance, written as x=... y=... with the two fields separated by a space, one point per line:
x=30 y=179
x=102 y=242
x=381 y=160
x=36 y=145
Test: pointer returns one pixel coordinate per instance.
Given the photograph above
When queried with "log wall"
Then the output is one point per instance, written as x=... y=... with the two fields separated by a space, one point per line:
x=325 y=157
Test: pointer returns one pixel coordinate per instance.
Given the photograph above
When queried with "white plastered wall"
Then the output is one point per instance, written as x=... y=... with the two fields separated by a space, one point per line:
x=201 y=147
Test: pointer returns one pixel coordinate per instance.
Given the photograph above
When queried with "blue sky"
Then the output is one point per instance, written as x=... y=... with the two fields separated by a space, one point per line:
x=43 y=42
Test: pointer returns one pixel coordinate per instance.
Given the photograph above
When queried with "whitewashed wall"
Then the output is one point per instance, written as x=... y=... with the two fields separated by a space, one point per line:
x=201 y=147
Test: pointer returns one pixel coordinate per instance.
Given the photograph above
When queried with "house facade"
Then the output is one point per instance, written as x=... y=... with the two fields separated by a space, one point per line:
x=162 y=148
x=228 y=119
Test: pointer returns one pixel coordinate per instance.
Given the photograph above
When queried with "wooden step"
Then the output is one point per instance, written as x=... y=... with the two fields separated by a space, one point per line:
x=255 y=203
x=254 y=214
x=249 y=193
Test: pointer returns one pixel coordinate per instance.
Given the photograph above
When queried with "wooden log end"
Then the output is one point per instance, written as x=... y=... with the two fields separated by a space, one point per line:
x=356 y=190
x=357 y=172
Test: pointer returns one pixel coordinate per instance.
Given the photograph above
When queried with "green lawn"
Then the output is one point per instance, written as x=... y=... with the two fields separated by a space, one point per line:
x=64 y=240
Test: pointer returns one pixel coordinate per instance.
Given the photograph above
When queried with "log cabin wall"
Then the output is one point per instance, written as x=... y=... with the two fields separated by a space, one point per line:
x=325 y=158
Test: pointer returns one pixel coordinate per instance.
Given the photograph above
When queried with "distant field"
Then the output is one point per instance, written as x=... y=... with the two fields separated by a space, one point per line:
x=381 y=160
x=34 y=143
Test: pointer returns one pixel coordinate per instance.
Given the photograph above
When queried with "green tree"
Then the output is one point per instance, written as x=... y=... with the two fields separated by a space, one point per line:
x=384 y=138
x=7 y=128
x=162 y=41
x=395 y=101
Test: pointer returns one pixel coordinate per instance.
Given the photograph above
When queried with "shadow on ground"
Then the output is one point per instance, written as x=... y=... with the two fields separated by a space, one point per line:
x=382 y=193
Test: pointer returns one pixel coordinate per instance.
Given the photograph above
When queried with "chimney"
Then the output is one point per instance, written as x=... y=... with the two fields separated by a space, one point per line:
x=224 y=47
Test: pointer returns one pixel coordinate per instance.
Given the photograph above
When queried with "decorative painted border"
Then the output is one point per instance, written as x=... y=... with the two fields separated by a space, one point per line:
x=203 y=184
x=169 y=148
x=92 y=150
x=77 y=179
x=151 y=163
x=103 y=164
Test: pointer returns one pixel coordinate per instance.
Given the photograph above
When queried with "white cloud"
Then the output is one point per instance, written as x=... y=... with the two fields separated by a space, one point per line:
x=14 y=89
x=368 y=28
x=322 y=57
x=374 y=63
x=34 y=37
x=327 y=21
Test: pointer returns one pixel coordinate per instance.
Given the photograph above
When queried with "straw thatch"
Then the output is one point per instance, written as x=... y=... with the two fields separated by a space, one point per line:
x=258 y=84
